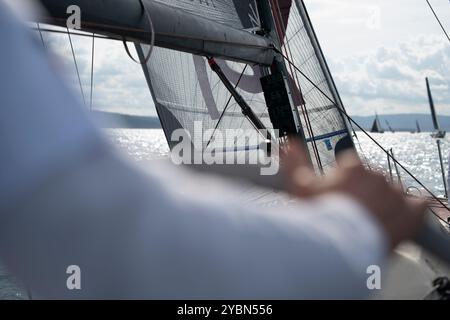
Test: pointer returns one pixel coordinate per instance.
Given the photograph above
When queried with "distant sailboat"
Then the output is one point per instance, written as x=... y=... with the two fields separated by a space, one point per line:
x=389 y=127
x=418 y=127
x=376 y=126
x=439 y=134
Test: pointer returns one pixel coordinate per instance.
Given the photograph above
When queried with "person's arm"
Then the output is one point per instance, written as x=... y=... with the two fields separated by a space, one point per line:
x=135 y=236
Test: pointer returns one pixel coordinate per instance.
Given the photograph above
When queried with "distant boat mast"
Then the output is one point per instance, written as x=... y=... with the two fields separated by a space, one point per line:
x=389 y=126
x=438 y=132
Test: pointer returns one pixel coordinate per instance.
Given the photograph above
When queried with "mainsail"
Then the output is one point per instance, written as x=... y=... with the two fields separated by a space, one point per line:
x=189 y=95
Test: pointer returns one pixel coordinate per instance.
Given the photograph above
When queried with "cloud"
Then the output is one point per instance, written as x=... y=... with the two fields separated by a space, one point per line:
x=392 y=80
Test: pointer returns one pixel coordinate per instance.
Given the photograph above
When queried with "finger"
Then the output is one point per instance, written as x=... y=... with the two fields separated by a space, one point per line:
x=298 y=169
x=296 y=156
x=349 y=158
x=416 y=211
x=418 y=207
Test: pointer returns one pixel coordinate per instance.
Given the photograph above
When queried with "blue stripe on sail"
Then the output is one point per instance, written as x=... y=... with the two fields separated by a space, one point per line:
x=327 y=136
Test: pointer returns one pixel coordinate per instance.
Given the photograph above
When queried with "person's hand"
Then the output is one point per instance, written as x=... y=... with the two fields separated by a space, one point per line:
x=400 y=217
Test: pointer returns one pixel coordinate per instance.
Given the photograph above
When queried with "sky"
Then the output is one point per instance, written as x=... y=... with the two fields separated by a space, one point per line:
x=379 y=53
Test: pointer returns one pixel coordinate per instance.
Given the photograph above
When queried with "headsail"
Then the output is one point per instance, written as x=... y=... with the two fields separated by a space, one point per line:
x=325 y=127
x=432 y=108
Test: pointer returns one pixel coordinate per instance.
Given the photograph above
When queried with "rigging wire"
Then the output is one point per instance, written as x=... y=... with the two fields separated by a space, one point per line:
x=79 y=34
x=226 y=107
x=40 y=34
x=438 y=20
x=76 y=65
x=370 y=137
x=92 y=71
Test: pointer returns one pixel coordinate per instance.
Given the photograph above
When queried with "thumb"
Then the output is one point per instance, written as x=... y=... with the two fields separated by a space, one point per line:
x=297 y=167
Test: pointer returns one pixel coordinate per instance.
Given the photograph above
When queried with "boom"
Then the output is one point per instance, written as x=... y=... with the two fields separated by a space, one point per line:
x=174 y=28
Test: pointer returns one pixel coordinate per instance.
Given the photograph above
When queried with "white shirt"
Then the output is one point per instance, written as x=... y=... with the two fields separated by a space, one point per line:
x=66 y=198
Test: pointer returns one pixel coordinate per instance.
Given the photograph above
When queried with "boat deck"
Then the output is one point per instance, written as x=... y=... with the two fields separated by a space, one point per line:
x=443 y=211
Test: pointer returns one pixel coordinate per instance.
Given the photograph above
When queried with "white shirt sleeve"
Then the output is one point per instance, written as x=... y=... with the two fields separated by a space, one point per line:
x=67 y=199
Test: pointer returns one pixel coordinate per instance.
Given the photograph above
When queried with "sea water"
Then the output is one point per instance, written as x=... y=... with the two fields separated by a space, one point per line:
x=418 y=153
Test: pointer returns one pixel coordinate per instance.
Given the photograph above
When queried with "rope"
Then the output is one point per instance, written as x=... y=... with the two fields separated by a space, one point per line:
x=76 y=65
x=371 y=138
x=438 y=20
x=152 y=37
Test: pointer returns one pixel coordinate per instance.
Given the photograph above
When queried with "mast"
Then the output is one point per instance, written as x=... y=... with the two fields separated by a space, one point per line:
x=432 y=108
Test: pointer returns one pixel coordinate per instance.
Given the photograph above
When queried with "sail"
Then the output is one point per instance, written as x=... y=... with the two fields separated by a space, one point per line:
x=375 y=127
x=418 y=127
x=325 y=127
x=432 y=108
x=240 y=14
x=189 y=95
